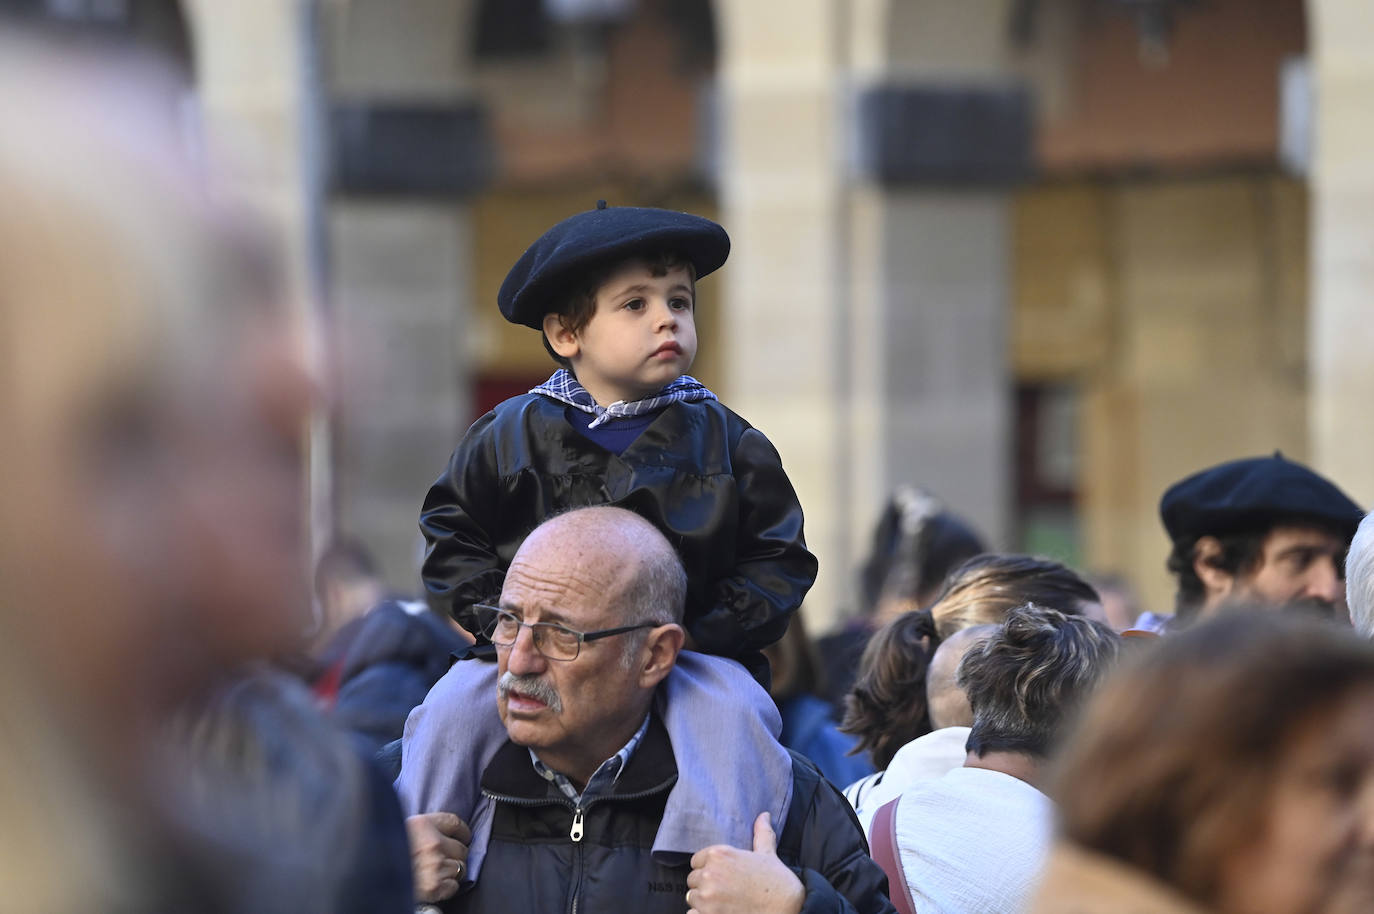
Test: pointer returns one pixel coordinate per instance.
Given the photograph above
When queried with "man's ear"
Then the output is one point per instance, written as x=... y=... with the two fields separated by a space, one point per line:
x=660 y=652
x=562 y=340
x=1216 y=581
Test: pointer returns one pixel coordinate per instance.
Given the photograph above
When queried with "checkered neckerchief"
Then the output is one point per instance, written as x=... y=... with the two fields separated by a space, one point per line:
x=563 y=387
x=605 y=775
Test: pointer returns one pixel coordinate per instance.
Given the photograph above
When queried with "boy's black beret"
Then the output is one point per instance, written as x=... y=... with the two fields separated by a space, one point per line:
x=598 y=236
x=1255 y=492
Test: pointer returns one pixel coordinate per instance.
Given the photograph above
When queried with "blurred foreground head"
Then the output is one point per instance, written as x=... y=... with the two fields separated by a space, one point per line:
x=152 y=403
x=153 y=399
x=1233 y=765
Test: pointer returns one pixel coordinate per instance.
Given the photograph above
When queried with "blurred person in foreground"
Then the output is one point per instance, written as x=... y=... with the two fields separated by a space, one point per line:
x=1359 y=578
x=1263 y=532
x=153 y=405
x=587 y=633
x=916 y=543
x=1227 y=769
x=887 y=706
x=976 y=838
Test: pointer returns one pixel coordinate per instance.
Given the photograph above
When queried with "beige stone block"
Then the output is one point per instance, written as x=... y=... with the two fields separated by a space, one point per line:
x=1342 y=230
x=1342 y=278
x=868 y=39
x=257 y=144
x=1162 y=353
x=779 y=132
x=247 y=43
x=1061 y=311
x=765 y=34
x=1289 y=271
x=1177 y=219
x=407 y=51
x=808 y=438
x=1341 y=31
x=1110 y=456
x=953 y=41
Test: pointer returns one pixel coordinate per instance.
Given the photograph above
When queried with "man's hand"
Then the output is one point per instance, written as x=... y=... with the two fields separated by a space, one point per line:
x=727 y=880
x=438 y=854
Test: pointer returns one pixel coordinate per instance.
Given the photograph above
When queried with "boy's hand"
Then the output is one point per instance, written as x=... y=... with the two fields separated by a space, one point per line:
x=728 y=880
x=438 y=854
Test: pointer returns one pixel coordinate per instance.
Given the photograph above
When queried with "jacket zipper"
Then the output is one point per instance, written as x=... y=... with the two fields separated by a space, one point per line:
x=577 y=831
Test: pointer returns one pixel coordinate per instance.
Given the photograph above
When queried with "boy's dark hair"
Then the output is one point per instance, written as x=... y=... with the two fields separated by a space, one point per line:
x=577 y=308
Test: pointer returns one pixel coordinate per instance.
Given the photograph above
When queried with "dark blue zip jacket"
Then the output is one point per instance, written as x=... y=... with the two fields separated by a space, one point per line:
x=547 y=855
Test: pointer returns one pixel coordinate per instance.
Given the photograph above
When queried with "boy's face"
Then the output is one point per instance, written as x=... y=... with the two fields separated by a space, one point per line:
x=641 y=336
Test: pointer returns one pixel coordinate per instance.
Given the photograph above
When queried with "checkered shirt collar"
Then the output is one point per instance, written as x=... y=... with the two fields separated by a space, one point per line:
x=563 y=387
x=605 y=776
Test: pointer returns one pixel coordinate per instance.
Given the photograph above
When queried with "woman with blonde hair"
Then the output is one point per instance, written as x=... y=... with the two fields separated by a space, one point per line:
x=985 y=588
x=887 y=708
x=1229 y=770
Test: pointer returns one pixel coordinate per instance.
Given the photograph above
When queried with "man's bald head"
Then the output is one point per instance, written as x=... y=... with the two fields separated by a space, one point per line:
x=641 y=573
x=947 y=702
x=602 y=570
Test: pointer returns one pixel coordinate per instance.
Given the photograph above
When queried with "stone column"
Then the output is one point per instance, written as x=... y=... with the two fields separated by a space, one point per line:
x=782 y=202
x=868 y=288
x=1341 y=321
x=943 y=132
x=408 y=151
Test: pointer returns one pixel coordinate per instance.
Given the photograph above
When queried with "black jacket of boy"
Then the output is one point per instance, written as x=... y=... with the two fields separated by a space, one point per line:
x=710 y=481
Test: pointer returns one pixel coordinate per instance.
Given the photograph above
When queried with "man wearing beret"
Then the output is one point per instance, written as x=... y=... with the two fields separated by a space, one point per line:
x=1261 y=531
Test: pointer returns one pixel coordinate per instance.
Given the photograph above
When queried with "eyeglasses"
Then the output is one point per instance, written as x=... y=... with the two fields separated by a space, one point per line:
x=554 y=641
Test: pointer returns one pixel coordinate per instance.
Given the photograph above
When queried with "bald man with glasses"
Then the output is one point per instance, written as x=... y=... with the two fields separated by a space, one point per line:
x=586 y=633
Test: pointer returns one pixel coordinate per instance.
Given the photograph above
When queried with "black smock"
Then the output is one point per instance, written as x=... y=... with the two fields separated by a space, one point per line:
x=710 y=481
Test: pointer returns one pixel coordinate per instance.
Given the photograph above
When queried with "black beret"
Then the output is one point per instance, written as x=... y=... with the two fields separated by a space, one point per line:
x=600 y=236
x=1255 y=492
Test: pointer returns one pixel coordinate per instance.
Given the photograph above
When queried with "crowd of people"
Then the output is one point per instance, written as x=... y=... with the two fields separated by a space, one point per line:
x=603 y=698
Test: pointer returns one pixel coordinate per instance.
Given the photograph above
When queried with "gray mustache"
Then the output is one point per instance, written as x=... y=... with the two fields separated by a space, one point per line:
x=532 y=686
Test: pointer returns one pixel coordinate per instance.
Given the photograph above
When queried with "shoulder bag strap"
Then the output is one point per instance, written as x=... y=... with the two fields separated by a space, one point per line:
x=884 y=832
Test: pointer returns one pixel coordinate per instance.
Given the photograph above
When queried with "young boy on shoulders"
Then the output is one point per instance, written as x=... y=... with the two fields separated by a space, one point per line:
x=613 y=291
